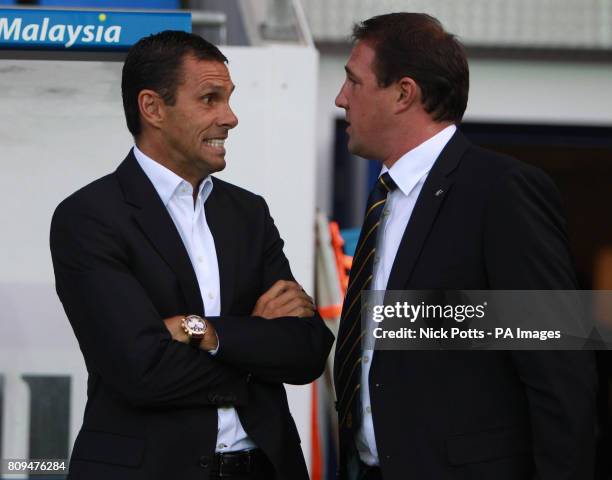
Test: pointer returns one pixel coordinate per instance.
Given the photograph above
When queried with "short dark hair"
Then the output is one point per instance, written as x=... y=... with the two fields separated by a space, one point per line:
x=416 y=45
x=155 y=62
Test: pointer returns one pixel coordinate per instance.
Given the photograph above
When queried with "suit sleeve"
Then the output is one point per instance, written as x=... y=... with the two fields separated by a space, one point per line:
x=121 y=334
x=282 y=350
x=526 y=248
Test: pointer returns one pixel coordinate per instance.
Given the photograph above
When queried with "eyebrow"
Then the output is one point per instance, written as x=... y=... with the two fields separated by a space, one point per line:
x=350 y=72
x=216 y=87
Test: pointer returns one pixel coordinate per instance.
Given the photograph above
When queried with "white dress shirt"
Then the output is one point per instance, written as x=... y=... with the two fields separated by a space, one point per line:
x=190 y=221
x=409 y=173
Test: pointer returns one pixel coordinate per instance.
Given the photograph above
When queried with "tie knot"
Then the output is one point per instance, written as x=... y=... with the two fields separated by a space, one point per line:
x=386 y=183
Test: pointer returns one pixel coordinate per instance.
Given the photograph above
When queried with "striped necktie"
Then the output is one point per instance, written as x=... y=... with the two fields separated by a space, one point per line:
x=347 y=364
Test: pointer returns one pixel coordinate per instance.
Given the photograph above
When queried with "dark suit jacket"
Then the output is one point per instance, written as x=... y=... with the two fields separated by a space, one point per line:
x=482 y=415
x=120 y=268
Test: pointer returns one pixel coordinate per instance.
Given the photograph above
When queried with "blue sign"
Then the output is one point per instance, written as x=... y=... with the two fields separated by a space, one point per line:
x=83 y=29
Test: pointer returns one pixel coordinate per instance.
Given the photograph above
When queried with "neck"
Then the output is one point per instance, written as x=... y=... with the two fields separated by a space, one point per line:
x=160 y=153
x=411 y=137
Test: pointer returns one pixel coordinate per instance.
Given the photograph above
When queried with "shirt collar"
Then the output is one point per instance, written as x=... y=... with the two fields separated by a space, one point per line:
x=166 y=182
x=416 y=163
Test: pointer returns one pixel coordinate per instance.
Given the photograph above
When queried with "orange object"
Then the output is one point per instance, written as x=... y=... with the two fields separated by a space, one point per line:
x=330 y=312
x=327 y=312
x=343 y=262
x=316 y=472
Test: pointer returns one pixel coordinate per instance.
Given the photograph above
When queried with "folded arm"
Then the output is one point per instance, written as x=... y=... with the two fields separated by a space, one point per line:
x=284 y=340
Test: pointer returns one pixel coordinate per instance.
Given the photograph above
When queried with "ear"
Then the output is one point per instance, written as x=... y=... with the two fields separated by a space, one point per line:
x=151 y=106
x=408 y=94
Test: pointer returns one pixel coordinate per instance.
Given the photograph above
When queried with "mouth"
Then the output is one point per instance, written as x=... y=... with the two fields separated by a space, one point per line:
x=216 y=144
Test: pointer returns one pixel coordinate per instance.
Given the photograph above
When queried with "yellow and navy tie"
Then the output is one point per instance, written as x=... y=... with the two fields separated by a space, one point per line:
x=347 y=364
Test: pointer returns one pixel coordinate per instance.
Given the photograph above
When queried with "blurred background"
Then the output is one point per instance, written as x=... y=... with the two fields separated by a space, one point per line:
x=541 y=91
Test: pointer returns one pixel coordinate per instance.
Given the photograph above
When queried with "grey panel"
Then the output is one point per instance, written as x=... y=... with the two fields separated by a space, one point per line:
x=236 y=31
x=1 y=411
x=544 y=24
x=49 y=416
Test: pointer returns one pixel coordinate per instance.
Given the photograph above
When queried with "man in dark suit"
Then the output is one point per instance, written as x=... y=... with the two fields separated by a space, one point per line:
x=179 y=293
x=446 y=214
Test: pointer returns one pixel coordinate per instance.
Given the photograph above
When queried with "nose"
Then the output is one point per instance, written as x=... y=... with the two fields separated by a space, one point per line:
x=341 y=98
x=229 y=119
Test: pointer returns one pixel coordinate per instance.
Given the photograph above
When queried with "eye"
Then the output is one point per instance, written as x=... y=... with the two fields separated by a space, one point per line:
x=207 y=99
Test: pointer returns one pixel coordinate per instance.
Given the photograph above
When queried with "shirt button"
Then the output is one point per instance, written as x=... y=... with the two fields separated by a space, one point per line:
x=211 y=296
x=385 y=213
x=221 y=446
x=368 y=409
x=200 y=259
x=366 y=359
x=376 y=259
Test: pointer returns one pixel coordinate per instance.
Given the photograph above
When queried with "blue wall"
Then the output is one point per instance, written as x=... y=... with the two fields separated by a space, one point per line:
x=127 y=4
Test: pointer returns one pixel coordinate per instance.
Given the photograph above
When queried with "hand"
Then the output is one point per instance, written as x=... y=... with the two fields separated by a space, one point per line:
x=210 y=340
x=175 y=327
x=284 y=299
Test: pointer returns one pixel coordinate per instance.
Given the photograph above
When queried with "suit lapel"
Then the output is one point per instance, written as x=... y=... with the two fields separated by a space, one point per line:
x=218 y=217
x=157 y=225
x=426 y=209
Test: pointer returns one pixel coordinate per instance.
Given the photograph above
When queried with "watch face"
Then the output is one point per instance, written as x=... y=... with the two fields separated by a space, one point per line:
x=195 y=324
